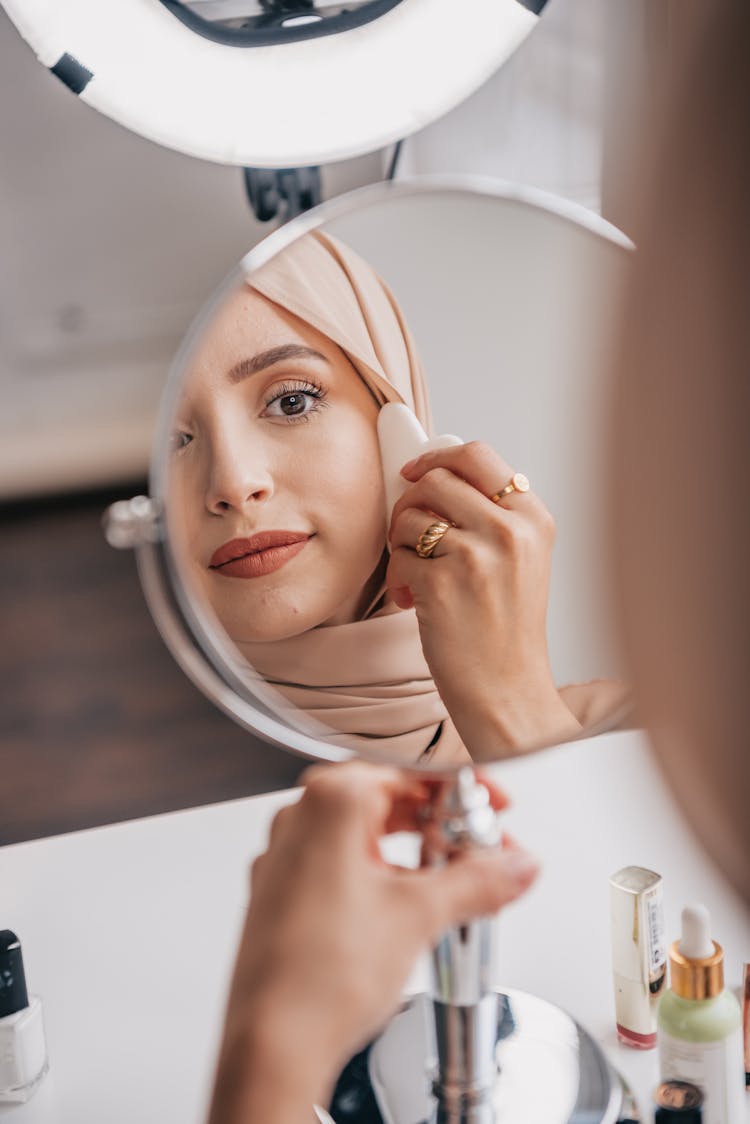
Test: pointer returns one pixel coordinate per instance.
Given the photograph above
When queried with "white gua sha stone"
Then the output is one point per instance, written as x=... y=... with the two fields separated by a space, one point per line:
x=402 y=438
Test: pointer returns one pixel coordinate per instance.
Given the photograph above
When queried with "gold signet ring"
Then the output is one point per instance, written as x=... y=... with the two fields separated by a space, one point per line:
x=518 y=483
x=429 y=539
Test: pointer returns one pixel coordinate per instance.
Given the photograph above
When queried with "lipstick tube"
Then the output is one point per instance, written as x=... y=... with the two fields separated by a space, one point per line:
x=639 y=954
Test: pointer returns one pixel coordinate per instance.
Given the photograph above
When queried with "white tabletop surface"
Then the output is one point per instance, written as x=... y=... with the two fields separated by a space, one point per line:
x=129 y=931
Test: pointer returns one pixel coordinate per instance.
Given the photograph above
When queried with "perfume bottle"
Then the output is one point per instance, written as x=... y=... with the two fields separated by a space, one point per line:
x=23 y=1050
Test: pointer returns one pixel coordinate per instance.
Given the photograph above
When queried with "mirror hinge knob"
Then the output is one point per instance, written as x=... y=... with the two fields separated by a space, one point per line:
x=133 y=522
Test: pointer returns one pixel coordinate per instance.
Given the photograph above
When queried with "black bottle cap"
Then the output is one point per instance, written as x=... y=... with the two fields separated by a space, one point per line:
x=678 y=1102
x=13 y=994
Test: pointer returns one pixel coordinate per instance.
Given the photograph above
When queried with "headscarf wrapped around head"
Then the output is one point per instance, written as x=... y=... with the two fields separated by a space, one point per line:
x=324 y=283
x=365 y=685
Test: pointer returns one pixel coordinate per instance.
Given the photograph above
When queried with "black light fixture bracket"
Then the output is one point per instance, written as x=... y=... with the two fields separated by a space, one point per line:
x=282 y=193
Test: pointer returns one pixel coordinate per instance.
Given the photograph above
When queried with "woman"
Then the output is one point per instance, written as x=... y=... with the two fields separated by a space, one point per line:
x=680 y=525
x=277 y=485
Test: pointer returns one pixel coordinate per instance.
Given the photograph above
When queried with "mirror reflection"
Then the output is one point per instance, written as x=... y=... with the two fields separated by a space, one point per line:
x=399 y=612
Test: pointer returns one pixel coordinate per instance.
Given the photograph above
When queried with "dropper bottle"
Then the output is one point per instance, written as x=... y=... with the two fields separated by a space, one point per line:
x=700 y=1024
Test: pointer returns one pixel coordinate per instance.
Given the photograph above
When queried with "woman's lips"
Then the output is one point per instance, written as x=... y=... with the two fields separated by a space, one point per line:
x=261 y=554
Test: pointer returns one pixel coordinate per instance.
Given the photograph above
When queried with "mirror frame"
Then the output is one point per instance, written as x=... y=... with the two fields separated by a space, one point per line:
x=204 y=655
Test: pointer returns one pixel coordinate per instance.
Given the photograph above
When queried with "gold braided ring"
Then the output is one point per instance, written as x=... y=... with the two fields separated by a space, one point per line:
x=429 y=539
x=518 y=483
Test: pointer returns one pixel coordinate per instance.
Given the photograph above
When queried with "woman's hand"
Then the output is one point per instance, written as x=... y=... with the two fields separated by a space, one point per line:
x=332 y=933
x=481 y=598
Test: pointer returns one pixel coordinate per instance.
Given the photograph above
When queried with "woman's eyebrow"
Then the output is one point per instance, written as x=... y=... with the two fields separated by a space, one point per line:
x=263 y=359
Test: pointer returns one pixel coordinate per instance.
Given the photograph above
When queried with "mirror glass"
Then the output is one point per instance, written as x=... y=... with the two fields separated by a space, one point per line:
x=283 y=83
x=484 y=631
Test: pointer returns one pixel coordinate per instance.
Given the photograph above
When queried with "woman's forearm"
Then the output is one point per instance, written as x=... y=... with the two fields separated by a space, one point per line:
x=260 y=1078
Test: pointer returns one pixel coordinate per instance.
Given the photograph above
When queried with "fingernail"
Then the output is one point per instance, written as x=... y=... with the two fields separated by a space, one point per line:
x=521 y=866
x=407 y=468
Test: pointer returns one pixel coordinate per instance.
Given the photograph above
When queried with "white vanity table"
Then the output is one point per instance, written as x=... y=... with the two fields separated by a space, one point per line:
x=129 y=931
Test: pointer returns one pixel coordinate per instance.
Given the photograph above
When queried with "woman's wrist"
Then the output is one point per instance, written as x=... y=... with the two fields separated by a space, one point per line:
x=515 y=721
x=269 y=1069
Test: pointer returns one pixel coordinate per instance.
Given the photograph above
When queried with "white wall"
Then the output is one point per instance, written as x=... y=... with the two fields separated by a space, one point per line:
x=510 y=306
x=539 y=119
x=110 y=244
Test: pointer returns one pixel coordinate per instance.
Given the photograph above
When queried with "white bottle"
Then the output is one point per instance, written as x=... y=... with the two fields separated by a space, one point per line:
x=700 y=1024
x=23 y=1050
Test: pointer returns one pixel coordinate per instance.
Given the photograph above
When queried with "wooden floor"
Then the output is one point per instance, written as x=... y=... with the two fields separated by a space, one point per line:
x=97 y=723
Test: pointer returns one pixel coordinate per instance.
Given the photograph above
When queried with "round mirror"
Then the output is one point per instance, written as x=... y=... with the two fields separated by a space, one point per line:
x=328 y=600
x=273 y=83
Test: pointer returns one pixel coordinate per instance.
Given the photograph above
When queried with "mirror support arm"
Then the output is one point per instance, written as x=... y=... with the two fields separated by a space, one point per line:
x=466 y=1009
x=282 y=193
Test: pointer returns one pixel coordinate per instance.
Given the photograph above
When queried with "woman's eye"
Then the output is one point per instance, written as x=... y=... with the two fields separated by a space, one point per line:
x=180 y=440
x=292 y=403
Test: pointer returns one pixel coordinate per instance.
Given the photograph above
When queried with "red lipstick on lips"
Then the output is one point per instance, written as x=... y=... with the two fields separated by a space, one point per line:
x=261 y=554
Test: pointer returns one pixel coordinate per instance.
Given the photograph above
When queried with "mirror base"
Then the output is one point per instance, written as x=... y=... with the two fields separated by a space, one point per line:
x=546 y=1070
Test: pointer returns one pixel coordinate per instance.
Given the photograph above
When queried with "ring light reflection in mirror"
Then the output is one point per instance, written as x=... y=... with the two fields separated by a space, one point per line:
x=276 y=105
x=461 y=256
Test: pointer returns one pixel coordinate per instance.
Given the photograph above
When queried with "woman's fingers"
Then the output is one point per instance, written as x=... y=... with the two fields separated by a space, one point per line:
x=447 y=496
x=410 y=813
x=412 y=523
x=459 y=491
x=384 y=799
x=338 y=797
x=476 y=463
x=499 y=799
x=476 y=883
x=406 y=584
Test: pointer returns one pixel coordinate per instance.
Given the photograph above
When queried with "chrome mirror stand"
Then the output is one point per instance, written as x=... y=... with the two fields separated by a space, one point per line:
x=465 y=1006
x=469 y=1053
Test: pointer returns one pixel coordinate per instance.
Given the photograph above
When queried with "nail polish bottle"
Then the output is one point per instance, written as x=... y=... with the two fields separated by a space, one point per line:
x=23 y=1050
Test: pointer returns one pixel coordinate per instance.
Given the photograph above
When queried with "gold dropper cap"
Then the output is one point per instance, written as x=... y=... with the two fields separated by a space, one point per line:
x=696 y=979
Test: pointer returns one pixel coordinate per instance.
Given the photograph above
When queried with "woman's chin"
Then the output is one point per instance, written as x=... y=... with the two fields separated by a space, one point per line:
x=271 y=628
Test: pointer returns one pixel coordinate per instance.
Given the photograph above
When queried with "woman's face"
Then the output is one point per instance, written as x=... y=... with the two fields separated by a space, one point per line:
x=277 y=506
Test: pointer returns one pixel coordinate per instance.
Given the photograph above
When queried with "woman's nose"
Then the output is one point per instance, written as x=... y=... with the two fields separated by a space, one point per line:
x=237 y=482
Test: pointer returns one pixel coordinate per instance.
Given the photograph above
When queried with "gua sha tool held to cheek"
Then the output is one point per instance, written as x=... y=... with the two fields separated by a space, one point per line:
x=402 y=438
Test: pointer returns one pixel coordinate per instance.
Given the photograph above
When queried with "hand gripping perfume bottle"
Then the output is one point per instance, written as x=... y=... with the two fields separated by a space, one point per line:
x=23 y=1051
x=700 y=1023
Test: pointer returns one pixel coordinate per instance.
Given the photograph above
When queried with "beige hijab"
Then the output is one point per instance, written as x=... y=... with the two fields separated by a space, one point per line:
x=364 y=685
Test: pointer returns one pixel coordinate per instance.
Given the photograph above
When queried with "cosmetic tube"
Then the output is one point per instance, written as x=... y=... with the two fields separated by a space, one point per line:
x=639 y=955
